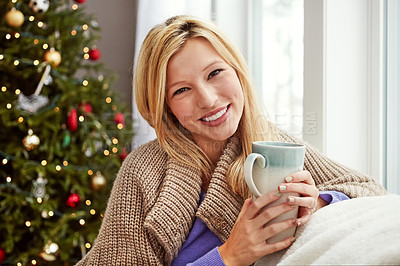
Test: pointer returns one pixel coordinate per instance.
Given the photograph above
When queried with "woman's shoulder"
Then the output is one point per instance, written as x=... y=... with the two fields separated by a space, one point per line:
x=147 y=150
x=147 y=159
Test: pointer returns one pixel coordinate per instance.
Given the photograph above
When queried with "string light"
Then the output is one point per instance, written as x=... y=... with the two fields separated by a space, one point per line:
x=17 y=91
x=20 y=119
x=17 y=35
x=114 y=150
x=39 y=200
x=85 y=26
x=4 y=89
x=16 y=62
x=88 y=202
x=87 y=245
x=33 y=262
x=65 y=163
x=115 y=141
x=106 y=152
x=28 y=223
x=51 y=213
x=36 y=62
x=45 y=46
x=8 y=36
x=35 y=41
x=5 y=161
x=74 y=7
x=1 y=57
x=56 y=109
x=31 y=18
x=19 y=264
x=58 y=168
x=86 y=56
x=40 y=24
x=108 y=100
x=73 y=32
x=120 y=126
x=44 y=162
x=92 y=212
x=86 y=50
x=85 y=83
x=114 y=107
x=8 y=179
x=81 y=118
x=82 y=222
x=90 y=172
x=9 y=106
x=14 y=1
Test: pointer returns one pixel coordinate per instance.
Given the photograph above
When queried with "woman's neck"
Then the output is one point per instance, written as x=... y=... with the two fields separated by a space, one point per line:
x=213 y=150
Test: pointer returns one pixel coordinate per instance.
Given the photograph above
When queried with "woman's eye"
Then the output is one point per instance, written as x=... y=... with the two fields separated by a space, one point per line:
x=179 y=91
x=214 y=73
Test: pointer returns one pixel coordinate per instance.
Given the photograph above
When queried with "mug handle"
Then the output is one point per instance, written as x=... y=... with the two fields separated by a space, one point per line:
x=248 y=171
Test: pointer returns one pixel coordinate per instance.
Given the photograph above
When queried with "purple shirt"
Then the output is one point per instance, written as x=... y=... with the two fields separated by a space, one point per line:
x=201 y=246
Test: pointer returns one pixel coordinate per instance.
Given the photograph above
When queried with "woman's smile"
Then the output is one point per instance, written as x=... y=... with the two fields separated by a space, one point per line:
x=215 y=118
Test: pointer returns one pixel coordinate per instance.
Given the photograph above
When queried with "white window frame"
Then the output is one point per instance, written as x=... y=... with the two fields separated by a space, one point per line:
x=393 y=97
x=345 y=119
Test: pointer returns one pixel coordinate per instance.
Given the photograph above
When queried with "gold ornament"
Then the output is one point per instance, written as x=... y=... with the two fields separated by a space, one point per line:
x=31 y=141
x=53 y=57
x=98 y=181
x=50 y=251
x=15 y=18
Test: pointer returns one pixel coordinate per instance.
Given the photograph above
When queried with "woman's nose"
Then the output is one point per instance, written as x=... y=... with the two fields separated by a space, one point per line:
x=206 y=96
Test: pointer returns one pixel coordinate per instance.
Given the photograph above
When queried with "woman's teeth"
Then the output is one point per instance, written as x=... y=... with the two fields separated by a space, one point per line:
x=216 y=116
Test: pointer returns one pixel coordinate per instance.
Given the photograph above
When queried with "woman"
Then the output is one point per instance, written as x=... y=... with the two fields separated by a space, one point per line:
x=182 y=198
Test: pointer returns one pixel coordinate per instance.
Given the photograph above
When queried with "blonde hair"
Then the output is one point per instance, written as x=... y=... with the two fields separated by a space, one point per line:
x=161 y=43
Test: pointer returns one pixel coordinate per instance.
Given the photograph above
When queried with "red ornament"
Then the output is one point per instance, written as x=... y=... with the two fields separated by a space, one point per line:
x=85 y=107
x=73 y=200
x=2 y=255
x=94 y=54
x=119 y=119
x=123 y=155
x=72 y=120
x=80 y=1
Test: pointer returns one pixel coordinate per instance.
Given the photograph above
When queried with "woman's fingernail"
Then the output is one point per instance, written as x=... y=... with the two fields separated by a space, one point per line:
x=291 y=200
x=293 y=239
x=298 y=223
x=281 y=188
x=277 y=193
x=288 y=179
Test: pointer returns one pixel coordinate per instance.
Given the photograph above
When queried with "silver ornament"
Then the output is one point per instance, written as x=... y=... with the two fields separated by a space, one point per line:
x=39 y=189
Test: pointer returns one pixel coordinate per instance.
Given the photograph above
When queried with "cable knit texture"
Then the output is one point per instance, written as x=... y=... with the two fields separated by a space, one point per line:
x=154 y=202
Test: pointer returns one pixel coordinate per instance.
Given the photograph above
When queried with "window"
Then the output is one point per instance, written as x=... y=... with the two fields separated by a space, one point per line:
x=276 y=60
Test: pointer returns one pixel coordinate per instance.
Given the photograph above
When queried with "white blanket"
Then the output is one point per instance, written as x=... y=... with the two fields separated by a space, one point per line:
x=363 y=231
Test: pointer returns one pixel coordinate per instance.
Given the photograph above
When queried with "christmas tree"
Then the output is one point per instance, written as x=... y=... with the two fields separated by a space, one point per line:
x=63 y=136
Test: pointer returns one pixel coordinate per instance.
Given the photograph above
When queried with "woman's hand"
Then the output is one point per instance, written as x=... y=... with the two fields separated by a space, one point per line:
x=308 y=202
x=247 y=241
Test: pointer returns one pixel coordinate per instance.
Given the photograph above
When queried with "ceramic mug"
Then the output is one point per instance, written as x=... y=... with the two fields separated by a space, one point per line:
x=266 y=167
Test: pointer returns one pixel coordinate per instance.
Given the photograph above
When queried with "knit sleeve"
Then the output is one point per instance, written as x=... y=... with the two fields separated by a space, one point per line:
x=330 y=175
x=122 y=239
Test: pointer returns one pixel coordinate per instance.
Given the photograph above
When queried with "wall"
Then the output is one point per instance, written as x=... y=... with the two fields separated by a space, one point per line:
x=117 y=20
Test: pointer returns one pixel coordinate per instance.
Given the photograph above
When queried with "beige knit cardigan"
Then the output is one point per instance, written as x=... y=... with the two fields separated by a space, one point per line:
x=154 y=202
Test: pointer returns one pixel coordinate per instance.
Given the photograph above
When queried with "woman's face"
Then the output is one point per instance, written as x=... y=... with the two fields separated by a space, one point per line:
x=204 y=92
